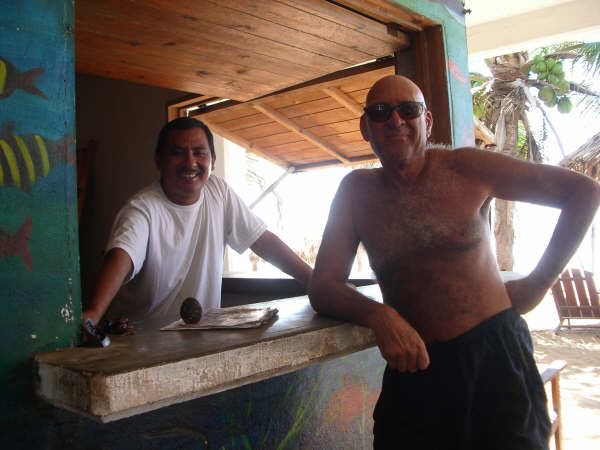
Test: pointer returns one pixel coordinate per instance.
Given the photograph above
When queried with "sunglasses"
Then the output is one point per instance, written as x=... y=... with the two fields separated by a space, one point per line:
x=381 y=112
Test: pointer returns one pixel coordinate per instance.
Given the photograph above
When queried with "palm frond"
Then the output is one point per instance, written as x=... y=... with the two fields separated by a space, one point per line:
x=588 y=105
x=548 y=122
x=583 y=88
x=530 y=149
x=588 y=100
x=478 y=78
x=589 y=55
x=500 y=131
x=544 y=132
x=566 y=46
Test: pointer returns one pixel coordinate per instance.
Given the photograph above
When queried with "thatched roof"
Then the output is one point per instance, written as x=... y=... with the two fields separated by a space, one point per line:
x=586 y=159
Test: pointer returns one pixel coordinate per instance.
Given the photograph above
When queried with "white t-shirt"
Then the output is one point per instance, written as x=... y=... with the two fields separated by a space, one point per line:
x=177 y=251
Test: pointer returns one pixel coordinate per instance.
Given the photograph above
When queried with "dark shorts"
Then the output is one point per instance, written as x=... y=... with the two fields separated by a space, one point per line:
x=482 y=390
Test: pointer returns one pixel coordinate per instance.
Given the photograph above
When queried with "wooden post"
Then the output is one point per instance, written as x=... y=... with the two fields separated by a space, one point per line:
x=430 y=75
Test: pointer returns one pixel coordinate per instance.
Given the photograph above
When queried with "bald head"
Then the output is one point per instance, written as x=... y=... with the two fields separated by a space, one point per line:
x=400 y=136
x=394 y=87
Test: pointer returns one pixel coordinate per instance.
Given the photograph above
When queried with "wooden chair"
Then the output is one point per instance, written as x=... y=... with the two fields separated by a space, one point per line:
x=576 y=297
x=552 y=375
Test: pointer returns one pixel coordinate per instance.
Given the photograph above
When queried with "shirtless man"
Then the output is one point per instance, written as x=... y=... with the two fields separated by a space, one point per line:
x=460 y=371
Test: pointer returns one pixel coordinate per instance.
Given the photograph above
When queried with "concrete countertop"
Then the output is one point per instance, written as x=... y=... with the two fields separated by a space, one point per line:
x=151 y=369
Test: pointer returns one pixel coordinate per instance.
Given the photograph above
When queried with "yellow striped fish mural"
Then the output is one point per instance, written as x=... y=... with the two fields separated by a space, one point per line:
x=25 y=158
x=11 y=79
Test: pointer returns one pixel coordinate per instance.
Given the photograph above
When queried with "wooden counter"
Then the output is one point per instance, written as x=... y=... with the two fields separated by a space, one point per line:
x=152 y=369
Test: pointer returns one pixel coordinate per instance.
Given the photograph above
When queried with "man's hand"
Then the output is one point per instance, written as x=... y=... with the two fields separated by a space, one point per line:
x=526 y=293
x=399 y=343
x=269 y=247
x=115 y=267
x=92 y=315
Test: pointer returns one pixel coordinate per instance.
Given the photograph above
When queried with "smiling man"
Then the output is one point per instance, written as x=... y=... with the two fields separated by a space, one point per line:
x=167 y=243
x=460 y=370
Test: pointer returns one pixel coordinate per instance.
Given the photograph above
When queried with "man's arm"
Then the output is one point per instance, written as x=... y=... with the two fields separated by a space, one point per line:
x=274 y=250
x=576 y=195
x=330 y=294
x=578 y=203
x=115 y=267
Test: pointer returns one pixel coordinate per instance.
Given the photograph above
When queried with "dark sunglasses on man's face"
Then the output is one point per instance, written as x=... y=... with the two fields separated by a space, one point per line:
x=380 y=112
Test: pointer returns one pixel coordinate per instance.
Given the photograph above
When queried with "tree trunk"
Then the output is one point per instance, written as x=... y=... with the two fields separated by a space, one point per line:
x=505 y=70
x=504 y=229
x=504 y=232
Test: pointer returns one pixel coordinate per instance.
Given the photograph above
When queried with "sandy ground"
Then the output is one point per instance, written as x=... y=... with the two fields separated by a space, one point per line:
x=579 y=381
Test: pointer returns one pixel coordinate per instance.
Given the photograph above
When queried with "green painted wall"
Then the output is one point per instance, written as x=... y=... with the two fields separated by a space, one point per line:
x=39 y=270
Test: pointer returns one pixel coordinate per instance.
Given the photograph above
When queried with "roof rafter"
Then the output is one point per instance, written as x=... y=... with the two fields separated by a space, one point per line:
x=273 y=114
x=244 y=143
x=344 y=100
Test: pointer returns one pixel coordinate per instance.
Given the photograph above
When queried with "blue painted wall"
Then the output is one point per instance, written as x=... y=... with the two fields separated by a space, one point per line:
x=39 y=271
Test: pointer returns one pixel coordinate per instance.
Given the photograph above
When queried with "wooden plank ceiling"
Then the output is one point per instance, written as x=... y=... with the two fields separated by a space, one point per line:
x=307 y=127
x=247 y=50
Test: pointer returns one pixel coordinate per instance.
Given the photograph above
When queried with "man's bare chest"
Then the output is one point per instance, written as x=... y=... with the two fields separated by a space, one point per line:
x=395 y=225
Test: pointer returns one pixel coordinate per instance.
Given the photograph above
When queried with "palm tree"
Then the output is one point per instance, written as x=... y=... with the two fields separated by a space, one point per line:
x=519 y=84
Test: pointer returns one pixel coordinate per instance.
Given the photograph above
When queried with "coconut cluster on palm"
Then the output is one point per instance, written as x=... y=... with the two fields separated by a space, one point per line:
x=520 y=83
x=556 y=92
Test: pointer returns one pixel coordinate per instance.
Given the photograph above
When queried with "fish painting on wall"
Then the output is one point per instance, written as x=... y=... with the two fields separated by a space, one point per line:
x=11 y=79
x=25 y=158
x=16 y=244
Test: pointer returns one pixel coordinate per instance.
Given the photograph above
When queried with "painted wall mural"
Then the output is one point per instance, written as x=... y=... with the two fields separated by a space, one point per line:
x=39 y=268
x=16 y=245
x=11 y=79
x=26 y=158
x=324 y=406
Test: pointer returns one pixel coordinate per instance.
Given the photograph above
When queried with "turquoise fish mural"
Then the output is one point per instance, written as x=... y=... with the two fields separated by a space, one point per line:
x=16 y=245
x=11 y=79
x=28 y=157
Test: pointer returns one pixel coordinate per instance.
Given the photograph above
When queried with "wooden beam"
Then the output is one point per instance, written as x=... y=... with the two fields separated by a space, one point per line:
x=177 y=108
x=333 y=79
x=192 y=100
x=297 y=17
x=342 y=15
x=299 y=130
x=260 y=34
x=244 y=143
x=387 y=11
x=344 y=100
x=326 y=164
x=430 y=75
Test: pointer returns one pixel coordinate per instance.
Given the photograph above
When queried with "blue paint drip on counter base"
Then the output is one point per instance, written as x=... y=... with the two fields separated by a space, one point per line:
x=328 y=405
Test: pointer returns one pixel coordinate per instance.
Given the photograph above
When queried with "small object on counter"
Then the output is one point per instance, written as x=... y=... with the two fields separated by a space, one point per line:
x=191 y=310
x=228 y=318
x=94 y=334
x=120 y=325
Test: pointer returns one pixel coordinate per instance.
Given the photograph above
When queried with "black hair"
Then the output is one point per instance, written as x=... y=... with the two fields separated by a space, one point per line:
x=183 y=123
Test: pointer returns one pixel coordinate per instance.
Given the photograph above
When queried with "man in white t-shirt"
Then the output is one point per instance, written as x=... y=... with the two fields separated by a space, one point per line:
x=168 y=241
